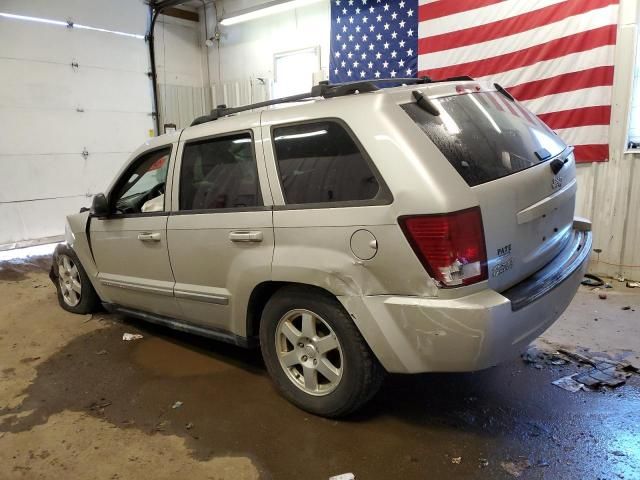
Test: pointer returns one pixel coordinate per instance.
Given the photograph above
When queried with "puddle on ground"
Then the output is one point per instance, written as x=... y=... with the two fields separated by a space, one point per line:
x=417 y=424
x=162 y=357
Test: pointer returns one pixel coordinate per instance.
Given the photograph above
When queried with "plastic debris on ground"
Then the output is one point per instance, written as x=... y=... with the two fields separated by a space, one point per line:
x=569 y=384
x=539 y=357
x=604 y=372
x=456 y=460
x=591 y=280
x=127 y=337
x=516 y=468
x=178 y=404
x=343 y=476
x=633 y=284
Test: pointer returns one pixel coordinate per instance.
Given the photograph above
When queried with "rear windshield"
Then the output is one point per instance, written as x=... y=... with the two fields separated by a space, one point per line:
x=486 y=136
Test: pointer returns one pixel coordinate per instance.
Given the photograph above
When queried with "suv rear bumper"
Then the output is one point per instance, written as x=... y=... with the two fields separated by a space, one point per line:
x=414 y=334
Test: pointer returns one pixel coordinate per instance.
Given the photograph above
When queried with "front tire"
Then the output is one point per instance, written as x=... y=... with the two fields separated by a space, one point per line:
x=315 y=354
x=74 y=289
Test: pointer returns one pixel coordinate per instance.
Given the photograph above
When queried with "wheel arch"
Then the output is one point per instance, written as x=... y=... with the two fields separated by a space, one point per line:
x=261 y=295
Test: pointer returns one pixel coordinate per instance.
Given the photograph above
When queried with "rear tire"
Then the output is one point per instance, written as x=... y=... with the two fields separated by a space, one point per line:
x=315 y=354
x=74 y=289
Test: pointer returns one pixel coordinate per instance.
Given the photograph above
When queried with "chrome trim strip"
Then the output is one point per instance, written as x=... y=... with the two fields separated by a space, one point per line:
x=202 y=297
x=137 y=287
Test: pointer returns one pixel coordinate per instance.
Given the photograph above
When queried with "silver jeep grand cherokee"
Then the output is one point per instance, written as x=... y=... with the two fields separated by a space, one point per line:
x=427 y=227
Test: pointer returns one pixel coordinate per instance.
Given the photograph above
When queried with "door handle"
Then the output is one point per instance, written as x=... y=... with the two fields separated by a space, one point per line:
x=149 y=237
x=245 y=236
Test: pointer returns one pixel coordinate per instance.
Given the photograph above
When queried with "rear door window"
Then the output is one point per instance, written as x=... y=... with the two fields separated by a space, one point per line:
x=319 y=162
x=219 y=173
x=486 y=136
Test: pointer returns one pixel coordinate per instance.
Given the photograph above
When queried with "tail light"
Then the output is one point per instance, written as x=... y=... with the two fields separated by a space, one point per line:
x=450 y=246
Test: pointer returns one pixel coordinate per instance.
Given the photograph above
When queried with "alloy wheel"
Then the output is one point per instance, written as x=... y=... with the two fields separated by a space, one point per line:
x=309 y=352
x=69 y=280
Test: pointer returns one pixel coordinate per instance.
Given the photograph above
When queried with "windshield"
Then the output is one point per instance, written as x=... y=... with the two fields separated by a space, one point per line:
x=486 y=136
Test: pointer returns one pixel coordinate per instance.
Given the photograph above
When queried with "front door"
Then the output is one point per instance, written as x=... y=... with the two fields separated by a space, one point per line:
x=220 y=232
x=130 y=245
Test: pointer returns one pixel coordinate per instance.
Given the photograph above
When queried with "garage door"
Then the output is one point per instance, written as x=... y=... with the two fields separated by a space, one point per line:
x=74 y=102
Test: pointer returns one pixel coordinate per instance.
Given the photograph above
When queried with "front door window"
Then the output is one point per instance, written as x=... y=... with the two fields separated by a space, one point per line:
x=141 y=189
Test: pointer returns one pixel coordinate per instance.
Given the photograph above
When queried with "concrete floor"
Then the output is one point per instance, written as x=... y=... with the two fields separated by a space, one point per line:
x=76 y=402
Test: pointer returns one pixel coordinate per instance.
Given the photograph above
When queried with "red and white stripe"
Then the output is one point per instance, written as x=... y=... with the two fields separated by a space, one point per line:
x=555 y=56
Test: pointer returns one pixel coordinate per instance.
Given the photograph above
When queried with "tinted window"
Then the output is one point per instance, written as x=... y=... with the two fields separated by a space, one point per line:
x=141 y=188
x=485 y=136
x=219 y=173
x=319 y=162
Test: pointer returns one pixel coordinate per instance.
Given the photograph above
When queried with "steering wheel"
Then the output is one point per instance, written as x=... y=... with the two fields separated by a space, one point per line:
x=154 y=192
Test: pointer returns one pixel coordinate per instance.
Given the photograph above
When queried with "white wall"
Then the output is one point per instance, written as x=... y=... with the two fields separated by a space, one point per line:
x=246 y=50
x=179 y=47
x=50 y=111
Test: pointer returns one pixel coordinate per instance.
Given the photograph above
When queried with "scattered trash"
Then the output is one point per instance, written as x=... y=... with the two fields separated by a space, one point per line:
x=619 y=278
x=483 y=462
x=101 y=352
x=605 y=372
x=576 y=356
x=592 y=280
x=633 y=284
x=569 y=384
x=602 y=296
x=127 y=337
x=159 y=427
x=456 y=460
x=189 y=426
x=626 y=308
x=99 y=407
x=343 y=476
x=178 y=404
x=517 y=467
x=538 y=357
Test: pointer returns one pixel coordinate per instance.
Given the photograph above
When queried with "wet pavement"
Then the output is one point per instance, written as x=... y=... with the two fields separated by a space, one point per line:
x=489 y=424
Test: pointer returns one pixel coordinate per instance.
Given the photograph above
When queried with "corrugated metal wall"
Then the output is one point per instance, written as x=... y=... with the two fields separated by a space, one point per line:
x=609 y=193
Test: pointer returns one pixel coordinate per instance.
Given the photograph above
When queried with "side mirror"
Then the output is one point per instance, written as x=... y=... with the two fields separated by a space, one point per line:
x=99 y=205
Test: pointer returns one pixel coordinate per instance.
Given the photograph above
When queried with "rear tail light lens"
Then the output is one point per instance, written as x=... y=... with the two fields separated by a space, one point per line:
x=451 y=246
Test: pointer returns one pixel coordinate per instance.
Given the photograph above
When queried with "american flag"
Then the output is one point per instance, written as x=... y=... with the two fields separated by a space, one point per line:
x=556 y=56
x=373 y=39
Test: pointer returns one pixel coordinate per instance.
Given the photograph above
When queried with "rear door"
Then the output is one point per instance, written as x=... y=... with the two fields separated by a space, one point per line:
x=522 y=173
x=220 y=232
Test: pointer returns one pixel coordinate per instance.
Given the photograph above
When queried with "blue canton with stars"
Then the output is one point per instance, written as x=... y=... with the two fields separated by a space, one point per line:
x=373 y=39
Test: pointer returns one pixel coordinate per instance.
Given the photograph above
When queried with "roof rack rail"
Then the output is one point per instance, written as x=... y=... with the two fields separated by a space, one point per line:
x=323 y=89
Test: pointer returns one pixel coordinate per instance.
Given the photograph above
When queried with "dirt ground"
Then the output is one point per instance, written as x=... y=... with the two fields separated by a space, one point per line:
x=77 y=402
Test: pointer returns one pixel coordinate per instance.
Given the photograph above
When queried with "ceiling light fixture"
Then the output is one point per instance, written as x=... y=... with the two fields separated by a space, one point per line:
x=68 y=24
x=264 y=10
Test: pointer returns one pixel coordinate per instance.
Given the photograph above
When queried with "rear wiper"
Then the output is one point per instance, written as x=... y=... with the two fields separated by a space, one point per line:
x=425 y=104
x=501 y=89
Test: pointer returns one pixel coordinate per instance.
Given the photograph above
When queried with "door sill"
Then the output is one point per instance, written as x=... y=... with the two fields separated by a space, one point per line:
x=182 y=326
